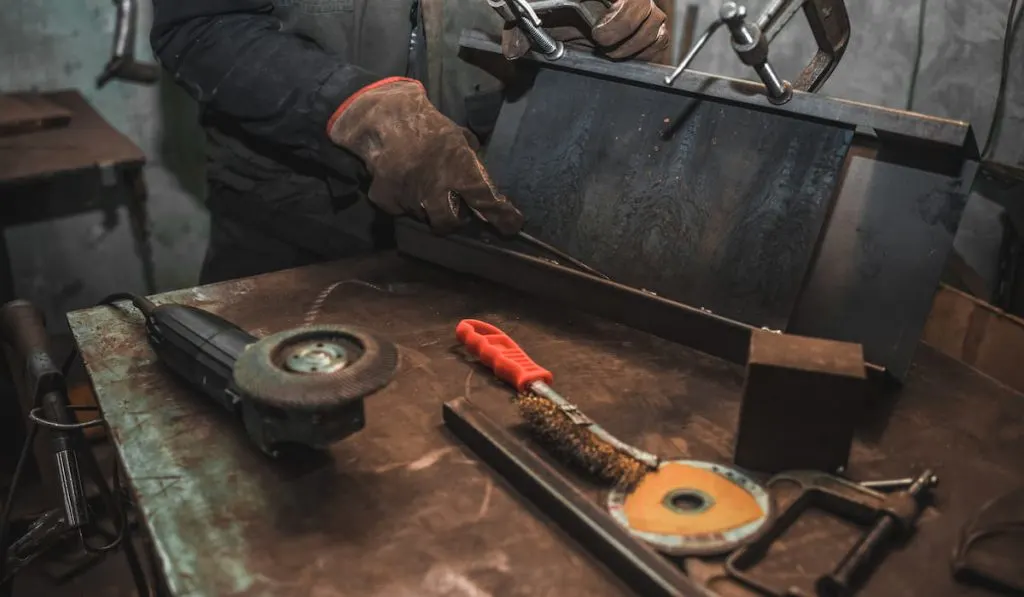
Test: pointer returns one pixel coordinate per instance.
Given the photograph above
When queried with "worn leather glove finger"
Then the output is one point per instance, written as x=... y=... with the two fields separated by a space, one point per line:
x=630 y=29
x=633 y=29
x=475 y=187
x=514 y=43
x=471 y=139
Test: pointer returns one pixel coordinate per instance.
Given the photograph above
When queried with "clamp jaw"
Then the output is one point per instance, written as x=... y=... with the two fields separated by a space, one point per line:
x=829 y=23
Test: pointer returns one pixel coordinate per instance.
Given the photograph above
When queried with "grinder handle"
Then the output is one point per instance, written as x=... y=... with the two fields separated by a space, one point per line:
x=496 y=350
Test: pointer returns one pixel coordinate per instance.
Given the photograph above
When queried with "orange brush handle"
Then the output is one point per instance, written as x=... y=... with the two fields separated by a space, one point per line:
x=496 y=350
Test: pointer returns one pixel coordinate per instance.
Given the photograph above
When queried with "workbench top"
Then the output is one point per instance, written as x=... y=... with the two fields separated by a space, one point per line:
x=402 y=508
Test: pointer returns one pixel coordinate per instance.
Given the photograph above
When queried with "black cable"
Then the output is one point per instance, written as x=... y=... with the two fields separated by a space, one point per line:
x=917 y=55
x=5 y=517
x=117 y=503
x=1012 y=18
x=141 y=303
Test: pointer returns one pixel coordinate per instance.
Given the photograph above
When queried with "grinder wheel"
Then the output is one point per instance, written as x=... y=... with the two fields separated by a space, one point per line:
x=315 y=368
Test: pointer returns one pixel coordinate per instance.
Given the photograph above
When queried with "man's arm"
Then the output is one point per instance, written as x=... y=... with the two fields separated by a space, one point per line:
x=232 y=58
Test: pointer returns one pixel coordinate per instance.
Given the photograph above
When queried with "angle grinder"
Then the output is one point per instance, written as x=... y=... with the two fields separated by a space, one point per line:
x=300 y=386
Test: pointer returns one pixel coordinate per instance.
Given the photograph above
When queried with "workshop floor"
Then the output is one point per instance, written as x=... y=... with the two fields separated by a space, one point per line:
x=109 y=578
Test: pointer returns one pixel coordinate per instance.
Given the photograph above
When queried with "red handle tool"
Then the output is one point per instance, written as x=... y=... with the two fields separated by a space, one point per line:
x=496 y=350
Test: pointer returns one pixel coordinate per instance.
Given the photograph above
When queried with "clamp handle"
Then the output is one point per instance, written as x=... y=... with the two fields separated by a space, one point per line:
x=498 y=351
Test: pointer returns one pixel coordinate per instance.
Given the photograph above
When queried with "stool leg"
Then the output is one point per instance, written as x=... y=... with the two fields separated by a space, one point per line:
x=6 y=275
x=139 y=216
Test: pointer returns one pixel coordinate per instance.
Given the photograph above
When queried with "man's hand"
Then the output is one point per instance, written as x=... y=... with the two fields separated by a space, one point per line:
x=630 y=29
x=421 y=161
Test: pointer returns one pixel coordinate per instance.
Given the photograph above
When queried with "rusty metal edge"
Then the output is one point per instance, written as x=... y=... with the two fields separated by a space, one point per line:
x=699 y=329
x=641 y=568
x=954 y=135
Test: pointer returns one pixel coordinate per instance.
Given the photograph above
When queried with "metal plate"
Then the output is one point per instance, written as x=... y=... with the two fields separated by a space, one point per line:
x=706 y=203
x=877 y=261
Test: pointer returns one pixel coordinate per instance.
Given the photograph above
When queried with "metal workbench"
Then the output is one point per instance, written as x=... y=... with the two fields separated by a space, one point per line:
x=402 y=508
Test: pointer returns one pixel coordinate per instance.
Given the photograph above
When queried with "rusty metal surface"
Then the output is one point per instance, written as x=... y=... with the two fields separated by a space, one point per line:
x=402 y=509
x=703 y=202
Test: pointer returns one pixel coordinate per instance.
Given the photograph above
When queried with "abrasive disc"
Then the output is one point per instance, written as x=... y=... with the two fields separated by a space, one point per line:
x=315 y=368
x=690 y=507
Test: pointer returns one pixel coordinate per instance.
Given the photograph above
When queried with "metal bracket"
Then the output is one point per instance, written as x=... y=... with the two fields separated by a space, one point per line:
x=122 y=64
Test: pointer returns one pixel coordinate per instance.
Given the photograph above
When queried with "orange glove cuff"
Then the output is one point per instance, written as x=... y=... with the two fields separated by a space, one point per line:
x=352 y=98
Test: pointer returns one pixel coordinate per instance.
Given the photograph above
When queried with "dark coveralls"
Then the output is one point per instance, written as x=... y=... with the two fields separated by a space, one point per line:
x=268 y=76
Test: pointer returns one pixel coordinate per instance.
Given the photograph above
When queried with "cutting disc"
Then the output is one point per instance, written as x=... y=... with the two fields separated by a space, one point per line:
x=689 y=507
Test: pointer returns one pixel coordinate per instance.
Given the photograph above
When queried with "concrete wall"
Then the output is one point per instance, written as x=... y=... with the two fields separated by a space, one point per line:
x=51 y=44
x=71 y=263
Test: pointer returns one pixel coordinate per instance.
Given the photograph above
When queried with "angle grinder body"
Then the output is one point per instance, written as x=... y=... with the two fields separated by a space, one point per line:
x=302 y=386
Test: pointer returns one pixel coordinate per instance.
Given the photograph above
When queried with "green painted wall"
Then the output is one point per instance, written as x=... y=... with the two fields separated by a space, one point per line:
x=56 y=44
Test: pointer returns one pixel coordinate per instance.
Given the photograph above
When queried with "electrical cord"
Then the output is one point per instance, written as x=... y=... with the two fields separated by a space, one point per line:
x=141 y=303
x=5 y=516
x=121 y=530
x=1012 y=20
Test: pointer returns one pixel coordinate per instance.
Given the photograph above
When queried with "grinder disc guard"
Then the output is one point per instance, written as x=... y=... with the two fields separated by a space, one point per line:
x=689 y=507
x=315 y=368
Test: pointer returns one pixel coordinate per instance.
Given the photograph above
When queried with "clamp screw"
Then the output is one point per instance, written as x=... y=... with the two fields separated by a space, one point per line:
x=731 y=11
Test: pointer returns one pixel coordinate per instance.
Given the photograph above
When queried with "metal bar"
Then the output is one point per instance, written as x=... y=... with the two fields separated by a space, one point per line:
x=691 y=54
x=697 y=328
x=948 y=134
x=704 y=331
x=640 y=567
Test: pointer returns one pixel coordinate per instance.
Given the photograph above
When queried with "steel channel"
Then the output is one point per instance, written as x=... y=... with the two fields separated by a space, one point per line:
x=641 y=568
x=699 y=329
x=952 y=135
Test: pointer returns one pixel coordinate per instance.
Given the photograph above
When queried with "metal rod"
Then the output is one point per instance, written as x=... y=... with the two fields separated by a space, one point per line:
x=640 y=567
x=776 y=87
x=693 y=51
x=561 y=255
x=903 y=483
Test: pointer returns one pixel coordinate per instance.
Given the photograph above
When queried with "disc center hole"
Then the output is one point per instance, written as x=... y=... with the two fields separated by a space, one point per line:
x=688 y=502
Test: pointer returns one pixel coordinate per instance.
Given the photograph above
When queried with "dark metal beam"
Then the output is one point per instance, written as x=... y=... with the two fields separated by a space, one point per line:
x=938 y=133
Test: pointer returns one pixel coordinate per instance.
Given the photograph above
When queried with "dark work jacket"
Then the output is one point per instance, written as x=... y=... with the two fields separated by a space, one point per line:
x=268 y=75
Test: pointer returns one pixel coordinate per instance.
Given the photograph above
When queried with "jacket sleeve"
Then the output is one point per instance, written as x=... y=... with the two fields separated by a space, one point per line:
x=232 y=57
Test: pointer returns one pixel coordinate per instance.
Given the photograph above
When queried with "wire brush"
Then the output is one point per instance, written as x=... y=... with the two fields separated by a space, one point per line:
x=579 y=445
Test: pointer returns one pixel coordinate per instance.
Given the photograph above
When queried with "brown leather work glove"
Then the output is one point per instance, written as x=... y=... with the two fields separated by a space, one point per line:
x=630 y=29
x=418 y=157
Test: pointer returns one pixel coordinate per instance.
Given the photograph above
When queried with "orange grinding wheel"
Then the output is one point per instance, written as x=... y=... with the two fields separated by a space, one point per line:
x=693 y=507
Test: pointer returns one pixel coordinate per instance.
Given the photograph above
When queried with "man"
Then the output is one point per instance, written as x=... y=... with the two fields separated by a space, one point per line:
x=307 y=103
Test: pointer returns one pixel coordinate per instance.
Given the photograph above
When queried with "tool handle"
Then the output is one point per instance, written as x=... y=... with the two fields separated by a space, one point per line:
x=496 y=350
x=21 y=326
